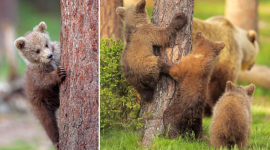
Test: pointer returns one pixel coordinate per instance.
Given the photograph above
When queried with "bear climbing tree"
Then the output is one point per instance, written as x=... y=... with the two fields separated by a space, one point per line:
x=78 y=110
x=179 y=46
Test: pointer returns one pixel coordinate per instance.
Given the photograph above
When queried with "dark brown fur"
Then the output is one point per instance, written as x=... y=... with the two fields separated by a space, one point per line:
x=232 y=117
x=141 y=67
x=239 y=53
x=42 y=79
x=192 y=74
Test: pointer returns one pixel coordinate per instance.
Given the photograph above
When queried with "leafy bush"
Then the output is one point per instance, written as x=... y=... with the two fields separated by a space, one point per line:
x=119 y=105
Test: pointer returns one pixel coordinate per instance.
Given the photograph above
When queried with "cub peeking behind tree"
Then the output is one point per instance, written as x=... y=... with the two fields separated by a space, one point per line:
x=232 y=117
x=43 y=76
x=192 y=74
x=141 y=67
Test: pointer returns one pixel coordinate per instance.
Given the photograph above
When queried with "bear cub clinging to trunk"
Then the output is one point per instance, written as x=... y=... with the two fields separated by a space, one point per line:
x=192 y=74
x=232 y=117
x=141 y=67
x=43 y=76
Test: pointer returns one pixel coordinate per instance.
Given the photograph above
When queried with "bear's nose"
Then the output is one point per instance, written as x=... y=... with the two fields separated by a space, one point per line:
x=50 y=56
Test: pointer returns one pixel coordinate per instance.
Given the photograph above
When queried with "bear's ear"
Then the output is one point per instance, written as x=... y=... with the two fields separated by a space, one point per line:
x=120 y=11
x=199 y=35
x=219 y=45
x=250 y=89
x=230 y=86
x=41 y=27
x=140 y=6
x=252 y=35
x=20 y=43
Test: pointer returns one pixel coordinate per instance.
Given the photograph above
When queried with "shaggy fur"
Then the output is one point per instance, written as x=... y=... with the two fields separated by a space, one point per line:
x=239 y=53
x=192 y=74
x=232 y=117
x=43 y=76
x=141 y=67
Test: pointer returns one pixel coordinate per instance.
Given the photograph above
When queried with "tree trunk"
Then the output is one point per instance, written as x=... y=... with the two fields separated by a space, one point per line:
x=258 y=75
x=179 y=46
x=243 y=13
x=79 y=126
x=8 y=16
x=110 y=24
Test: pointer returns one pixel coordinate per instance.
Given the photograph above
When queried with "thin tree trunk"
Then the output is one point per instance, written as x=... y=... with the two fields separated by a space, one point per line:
x=79 y=124
x=152 y=112
x=110 y=24
x=243 y=13
x=8 y=15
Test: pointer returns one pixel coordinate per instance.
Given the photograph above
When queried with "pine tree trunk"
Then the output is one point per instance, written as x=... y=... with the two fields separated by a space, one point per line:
x=79 y=126
x=243 y=13
x=179 y=46
x=110 y=24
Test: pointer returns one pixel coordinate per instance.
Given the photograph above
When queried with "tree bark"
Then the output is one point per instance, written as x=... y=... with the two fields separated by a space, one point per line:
x=180 y=45
x=243 y=13
x=79 y=126
x=110 y=24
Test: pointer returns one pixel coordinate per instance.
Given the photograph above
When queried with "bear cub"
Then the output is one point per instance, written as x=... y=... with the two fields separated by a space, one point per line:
x=232 y=117
x=43 y=76
x=192 y=74
x=140 y=66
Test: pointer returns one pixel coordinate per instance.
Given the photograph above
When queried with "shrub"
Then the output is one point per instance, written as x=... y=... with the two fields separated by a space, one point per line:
x=119 y=105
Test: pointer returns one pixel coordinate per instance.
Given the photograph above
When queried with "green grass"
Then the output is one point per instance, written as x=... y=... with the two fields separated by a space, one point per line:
x=22 y=145
x=28 y=17
x=123 y=139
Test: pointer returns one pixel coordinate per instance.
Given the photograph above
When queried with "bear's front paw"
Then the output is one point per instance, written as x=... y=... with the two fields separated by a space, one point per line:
x=61 y=73
x=178 y=21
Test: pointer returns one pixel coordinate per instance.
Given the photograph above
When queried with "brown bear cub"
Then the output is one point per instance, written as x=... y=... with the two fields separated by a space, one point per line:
x=232 y=117
x=43 y=76
x=192 y=74
x=141 y=67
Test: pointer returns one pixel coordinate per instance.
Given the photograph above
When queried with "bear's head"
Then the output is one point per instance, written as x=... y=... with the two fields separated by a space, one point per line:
x=134 y=15
x=204 y=46
x=35 y=47
x=250 y=48
x=246 y=91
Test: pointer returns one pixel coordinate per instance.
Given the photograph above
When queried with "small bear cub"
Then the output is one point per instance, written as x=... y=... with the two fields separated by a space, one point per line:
x=43 y=76
x=232 y=117
x=192 y=74
x=140 y=66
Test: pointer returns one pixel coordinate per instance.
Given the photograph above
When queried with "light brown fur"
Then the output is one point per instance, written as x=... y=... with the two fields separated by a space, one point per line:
x=239 y=53
x=192 y=74
x=232 y=117
x=43 y=76
x=140 y=66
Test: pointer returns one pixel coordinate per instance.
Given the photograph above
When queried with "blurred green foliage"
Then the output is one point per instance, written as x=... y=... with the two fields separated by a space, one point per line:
x=119 y=105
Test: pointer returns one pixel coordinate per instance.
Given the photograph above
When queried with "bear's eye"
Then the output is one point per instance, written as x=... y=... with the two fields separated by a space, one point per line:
x=38 y=51
x=46 y=45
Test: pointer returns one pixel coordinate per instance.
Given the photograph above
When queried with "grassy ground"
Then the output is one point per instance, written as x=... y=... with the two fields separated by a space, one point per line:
x=121 y=139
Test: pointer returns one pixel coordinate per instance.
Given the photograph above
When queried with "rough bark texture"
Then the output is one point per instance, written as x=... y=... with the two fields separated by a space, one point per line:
x=179 y=46
x=110 y=24
x=243 y=13
x=79 y=126
x=258 y=75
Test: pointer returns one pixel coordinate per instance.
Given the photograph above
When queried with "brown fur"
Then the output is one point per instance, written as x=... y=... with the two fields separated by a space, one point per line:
x=239 y=53
x=192 y=74
x=140 y=66
x=42 y=77
x=232 y=117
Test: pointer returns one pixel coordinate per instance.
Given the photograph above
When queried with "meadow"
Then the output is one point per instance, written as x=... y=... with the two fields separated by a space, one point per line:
x=126 y=139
